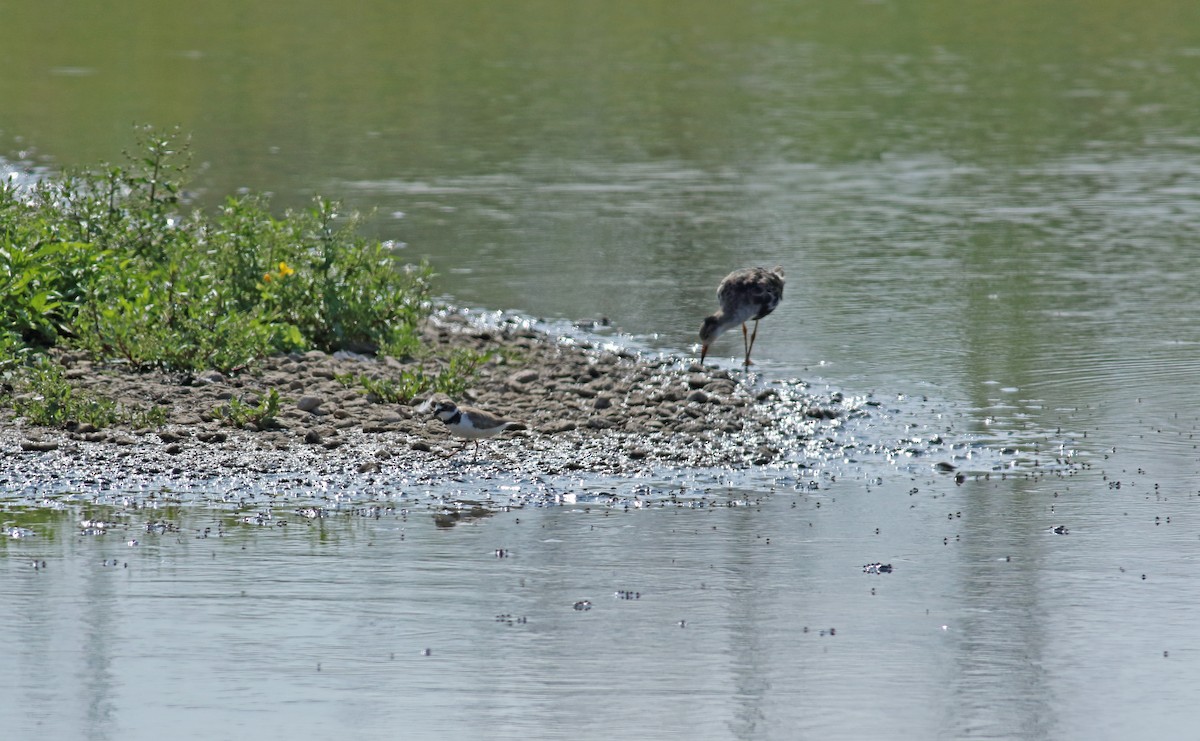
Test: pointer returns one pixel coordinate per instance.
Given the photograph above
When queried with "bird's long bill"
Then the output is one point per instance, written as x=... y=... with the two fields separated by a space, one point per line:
x=703 y=353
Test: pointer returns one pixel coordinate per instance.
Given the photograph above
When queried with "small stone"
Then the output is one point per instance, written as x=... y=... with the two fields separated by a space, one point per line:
x=602 y=402
x=174 y=449
x=368 y=467
x=522 y=377
x=697 y=381
x=211 y=376
x=40 y=446
x=599 y=423
x=312 y=437
x=698 y=396
x=724 y=388
x=308 y=403
x=212 y=437
x=420 y=446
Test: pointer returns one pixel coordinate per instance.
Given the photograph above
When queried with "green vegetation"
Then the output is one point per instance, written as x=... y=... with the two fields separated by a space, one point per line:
x=114 y=263
x=43 y=396
x=386 y=390
x=262 y=415
x=413 y=382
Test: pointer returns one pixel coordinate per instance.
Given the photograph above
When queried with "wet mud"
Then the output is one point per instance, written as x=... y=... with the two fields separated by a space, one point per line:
x=586 y=406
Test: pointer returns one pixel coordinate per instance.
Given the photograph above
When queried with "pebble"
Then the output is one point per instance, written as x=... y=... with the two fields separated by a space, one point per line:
x=39 y=446
x=308 y=403
x=521 y=377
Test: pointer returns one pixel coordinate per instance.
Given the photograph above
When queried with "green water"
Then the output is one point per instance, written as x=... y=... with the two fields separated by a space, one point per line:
x=990 y=205
x=385 y=90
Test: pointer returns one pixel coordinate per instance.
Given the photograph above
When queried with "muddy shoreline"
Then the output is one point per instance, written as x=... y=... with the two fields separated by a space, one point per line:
x=588 y=407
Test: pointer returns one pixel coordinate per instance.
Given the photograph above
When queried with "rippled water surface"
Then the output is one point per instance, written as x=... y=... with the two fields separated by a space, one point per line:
x=988 y=214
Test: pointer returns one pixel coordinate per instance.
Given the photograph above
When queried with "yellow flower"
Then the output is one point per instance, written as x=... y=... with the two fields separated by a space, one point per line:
x=266 y=277
x=285 y=270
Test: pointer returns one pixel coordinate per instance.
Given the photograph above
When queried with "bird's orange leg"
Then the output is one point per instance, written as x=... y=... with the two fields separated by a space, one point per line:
x=460 y=449
x=746 y=343
x=752 y=337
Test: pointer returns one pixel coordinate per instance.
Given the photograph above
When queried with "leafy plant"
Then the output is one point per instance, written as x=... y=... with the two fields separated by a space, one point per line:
x=111 y=261
x=239 y=413
x=413 y=382
x=459 y=372
x=114 y=261
x=42 y=395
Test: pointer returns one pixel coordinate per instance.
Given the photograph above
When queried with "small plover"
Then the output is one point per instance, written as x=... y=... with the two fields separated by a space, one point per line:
x=472 y=424
x=749 y=293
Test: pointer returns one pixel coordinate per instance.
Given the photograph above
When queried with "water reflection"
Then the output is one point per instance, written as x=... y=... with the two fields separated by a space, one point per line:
x=763 y=612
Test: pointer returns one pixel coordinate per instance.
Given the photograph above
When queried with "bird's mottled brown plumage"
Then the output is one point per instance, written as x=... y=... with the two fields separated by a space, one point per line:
x=744 y=295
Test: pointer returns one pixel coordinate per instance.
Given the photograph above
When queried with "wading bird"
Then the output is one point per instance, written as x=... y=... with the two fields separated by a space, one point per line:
x=473 y=424
x=749 y=293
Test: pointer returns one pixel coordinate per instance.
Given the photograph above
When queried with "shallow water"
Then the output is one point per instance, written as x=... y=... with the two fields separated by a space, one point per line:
x=987 y=215
x=728 y=612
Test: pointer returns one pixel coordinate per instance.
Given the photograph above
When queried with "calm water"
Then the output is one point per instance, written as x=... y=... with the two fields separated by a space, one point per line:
x=988 y=213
